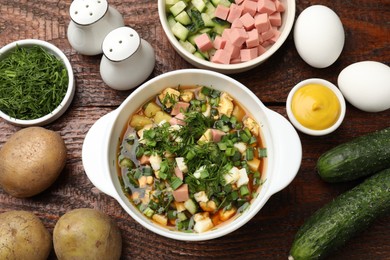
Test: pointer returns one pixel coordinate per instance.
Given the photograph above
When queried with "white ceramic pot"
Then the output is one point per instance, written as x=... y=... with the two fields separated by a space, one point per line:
x=91 y=21
x=128 y=60
x=284 y=149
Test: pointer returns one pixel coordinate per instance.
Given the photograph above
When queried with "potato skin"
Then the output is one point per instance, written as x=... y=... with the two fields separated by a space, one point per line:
x=30 y=161
x=23 y=236
x=86 y=234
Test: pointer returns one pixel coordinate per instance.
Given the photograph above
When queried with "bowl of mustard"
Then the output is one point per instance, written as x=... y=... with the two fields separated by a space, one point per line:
x=315 y=107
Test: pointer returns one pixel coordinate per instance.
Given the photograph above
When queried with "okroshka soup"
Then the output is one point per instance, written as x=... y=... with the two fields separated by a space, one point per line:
x=191 y=158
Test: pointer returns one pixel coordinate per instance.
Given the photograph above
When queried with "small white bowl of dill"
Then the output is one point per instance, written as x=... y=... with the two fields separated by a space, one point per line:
x=36 y=83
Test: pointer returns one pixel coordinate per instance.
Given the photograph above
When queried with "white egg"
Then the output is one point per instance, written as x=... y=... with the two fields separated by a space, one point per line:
x=319 y=36
x=366 y=85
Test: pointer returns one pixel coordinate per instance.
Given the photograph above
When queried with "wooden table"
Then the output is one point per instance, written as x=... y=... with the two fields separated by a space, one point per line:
x=270 y=233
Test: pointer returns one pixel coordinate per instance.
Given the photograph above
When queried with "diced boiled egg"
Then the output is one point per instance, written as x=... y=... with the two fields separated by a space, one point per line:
x=202 y=223
x=232 y=176
x=181 y=164
x=243 y=178
x=225 y=105
x=140 y=133
x=201 y=196
x=155 y=162
x=169 y=96
x=187 y=96
x=251 y=125
x=241 y=147
x=206 y=137
x=207 y=113
x=199 y=171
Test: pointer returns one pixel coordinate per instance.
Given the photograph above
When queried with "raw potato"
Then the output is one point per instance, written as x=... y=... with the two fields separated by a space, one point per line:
x=86 y=234
x=23 y=236
x=30 y=161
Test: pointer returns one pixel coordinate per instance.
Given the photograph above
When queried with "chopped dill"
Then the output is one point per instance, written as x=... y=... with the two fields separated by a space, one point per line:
x=33 y=82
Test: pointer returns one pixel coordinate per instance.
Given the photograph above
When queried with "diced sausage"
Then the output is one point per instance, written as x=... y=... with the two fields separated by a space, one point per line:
x=238 y=36
x=181 y=193
x=219 y=42
x=250 y=7
x=266 y=6
x=275 y=19
x=203 y=42
x=217 y=135
x=144 y=159
x=253 y=39
x=221 y=12
x=221 y=56
x=261 y=49
x=262 y=23
x=248 y=21
x=232 y=50
x=267 y=35
x=178 y=173
x=248 y=54
x=237 y=24
x=179 y=107
x=234 y=13
x=279 y=6
x=177 y=120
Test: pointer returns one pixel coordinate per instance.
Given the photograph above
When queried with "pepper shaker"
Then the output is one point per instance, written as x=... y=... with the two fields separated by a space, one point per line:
x=91 y=21
x=127 y=59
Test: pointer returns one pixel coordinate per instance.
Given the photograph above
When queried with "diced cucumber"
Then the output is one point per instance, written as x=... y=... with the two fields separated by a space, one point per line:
x=188 y=46
x=205 y=30
x=207 y=20
x=171 y=21
x=192 y=38
x=205 y=54
x=171 y=2
x=198 y=4
x=202 y=54
x=218 y=28
x=199 y=55
x=183 y=18
x=215 y=2
x=148 y=212
x=190 y=206
x=180 y=31
x=226 y=3
x=178 y=8
x=210 y=10
x=181 y=216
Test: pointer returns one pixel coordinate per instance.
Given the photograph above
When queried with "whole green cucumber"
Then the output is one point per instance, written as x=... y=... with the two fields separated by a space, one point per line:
x=359 y=157
x=332 y=225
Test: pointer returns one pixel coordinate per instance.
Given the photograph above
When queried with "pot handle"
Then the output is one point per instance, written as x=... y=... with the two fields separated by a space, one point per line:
x=93 y=153
x=288 y=155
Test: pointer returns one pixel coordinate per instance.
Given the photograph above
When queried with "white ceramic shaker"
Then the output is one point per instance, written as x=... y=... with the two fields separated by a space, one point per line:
x=127 y=59
x=91 y=21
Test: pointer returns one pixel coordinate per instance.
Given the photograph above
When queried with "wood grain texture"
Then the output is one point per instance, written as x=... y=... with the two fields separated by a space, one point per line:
x=270 y=233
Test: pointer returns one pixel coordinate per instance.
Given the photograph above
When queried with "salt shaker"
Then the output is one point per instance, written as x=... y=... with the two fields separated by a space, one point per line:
x=91 y=21
x=128 y=60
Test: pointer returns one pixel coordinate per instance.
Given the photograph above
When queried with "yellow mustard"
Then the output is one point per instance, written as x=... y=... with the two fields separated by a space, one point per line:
x=315 y=106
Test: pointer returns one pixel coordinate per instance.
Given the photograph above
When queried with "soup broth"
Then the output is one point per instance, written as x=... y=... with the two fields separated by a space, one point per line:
x=191 y=158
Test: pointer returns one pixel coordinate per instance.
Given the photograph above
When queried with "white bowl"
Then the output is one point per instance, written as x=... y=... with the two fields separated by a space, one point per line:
x=284 y=149
x=63 y=106
x=287 y=24
x=304 y=129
